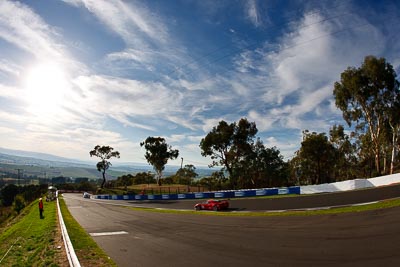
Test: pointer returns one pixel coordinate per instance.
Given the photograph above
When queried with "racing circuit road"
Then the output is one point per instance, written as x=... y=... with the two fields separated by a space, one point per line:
x=144 y=238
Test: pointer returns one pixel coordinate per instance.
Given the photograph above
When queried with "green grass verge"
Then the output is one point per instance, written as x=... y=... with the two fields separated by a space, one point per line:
x=375 y=206
x=87 y=250
x=29 y=240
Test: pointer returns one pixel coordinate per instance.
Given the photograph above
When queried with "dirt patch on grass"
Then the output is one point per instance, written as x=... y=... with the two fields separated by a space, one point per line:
x=87 y=258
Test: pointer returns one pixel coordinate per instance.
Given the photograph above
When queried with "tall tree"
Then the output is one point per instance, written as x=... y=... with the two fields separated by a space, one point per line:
x=345 y=159
x=158 y=152
x=271 y=166
x=365 y=95
x=263 y=167
x=104 y=153
x=187 y=174
x=317 y=157
x=227 y=144
x=365 y=155
x=394 y=126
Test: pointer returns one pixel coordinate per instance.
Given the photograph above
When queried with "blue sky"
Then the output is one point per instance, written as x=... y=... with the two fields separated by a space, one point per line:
x=78 y=73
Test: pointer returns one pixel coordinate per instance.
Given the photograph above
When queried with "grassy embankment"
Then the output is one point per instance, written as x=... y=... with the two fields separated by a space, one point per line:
x=30 y=241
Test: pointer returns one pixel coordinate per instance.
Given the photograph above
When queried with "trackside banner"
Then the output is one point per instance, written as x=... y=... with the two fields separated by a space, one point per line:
x=202 y=195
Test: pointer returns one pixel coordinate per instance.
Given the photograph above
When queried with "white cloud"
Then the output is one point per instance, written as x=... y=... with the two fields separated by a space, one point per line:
x=195 y=138
x=300 y=76
x=133 y=55
x=176 y=138
x=252 y=13
x=245 y=62
x=126 y=121
x=122 y=98
x=11 y=92
x=127 y=19
x=8 y=67
x=264 y=122
x=20 y=26
x=208 y=124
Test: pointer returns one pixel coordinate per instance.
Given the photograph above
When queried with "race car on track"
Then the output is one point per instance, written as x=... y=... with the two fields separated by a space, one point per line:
x=212 y=204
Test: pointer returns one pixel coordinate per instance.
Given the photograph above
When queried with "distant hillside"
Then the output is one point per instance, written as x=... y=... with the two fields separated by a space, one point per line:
x=35 y=171
x=22 y=160
x=40 y=157
x=42 y=165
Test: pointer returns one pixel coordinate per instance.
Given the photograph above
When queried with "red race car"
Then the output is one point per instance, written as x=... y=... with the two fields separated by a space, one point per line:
x=212 y=204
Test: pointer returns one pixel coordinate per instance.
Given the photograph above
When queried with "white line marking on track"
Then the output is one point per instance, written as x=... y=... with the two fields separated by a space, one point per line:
x=109 y=233
x=367 y=203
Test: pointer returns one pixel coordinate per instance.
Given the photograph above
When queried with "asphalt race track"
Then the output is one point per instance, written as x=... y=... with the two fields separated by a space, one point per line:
x=370 y=238
x=285 y=203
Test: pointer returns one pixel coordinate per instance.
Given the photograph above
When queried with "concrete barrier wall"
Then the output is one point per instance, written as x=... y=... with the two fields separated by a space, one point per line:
x=385 y=180
x=308 y=189
x=351 y=184
x=206 y=195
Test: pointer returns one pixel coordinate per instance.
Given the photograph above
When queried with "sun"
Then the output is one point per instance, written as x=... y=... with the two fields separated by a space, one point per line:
x=45 y=86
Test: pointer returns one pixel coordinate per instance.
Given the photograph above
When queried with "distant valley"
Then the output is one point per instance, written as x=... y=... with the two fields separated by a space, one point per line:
x=41 y=165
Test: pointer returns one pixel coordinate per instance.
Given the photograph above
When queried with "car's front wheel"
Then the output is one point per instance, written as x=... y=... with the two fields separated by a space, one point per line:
x=197 y=208
x=215 y=208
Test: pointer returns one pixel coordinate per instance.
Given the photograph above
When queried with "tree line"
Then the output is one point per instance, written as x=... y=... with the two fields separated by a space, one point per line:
x=14 y=198
x=369 y=99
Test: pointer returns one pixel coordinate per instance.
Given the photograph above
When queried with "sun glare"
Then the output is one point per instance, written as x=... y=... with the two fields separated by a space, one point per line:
x=45 y=86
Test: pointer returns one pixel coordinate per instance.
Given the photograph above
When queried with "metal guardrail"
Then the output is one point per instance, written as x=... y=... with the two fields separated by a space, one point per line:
x=72 y=258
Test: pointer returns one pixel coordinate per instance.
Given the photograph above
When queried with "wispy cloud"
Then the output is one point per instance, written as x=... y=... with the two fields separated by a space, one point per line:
x=131 y=97
x=9 y=68
x=154 y=82
x=23 y=28
x=252 y=13
x=301 y=74
x=128 y=19
x=148 y=46
x=20 y=26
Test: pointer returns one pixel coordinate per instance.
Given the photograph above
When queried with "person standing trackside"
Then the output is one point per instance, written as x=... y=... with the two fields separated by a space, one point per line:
x=41 y=208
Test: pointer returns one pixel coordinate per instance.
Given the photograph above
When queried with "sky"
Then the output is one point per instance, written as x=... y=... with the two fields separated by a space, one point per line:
x=79 y=73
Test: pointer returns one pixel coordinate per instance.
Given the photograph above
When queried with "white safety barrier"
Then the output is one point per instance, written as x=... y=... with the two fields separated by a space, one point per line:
x=385 y=180
x=351 y=184
x=72 y=258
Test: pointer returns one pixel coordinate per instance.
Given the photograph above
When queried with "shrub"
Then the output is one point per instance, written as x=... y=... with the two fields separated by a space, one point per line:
x=19 y=203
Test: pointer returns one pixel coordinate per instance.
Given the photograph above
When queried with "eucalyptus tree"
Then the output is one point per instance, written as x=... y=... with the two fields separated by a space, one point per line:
x=186 y=174
x=228 y=144
x=345 y=158
x=263 y=167
x=366 y=96
x=317 y=157
x=394 y=124
x=158 y=152
x=104 y=153
x=365 y=155
x=273 y=170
